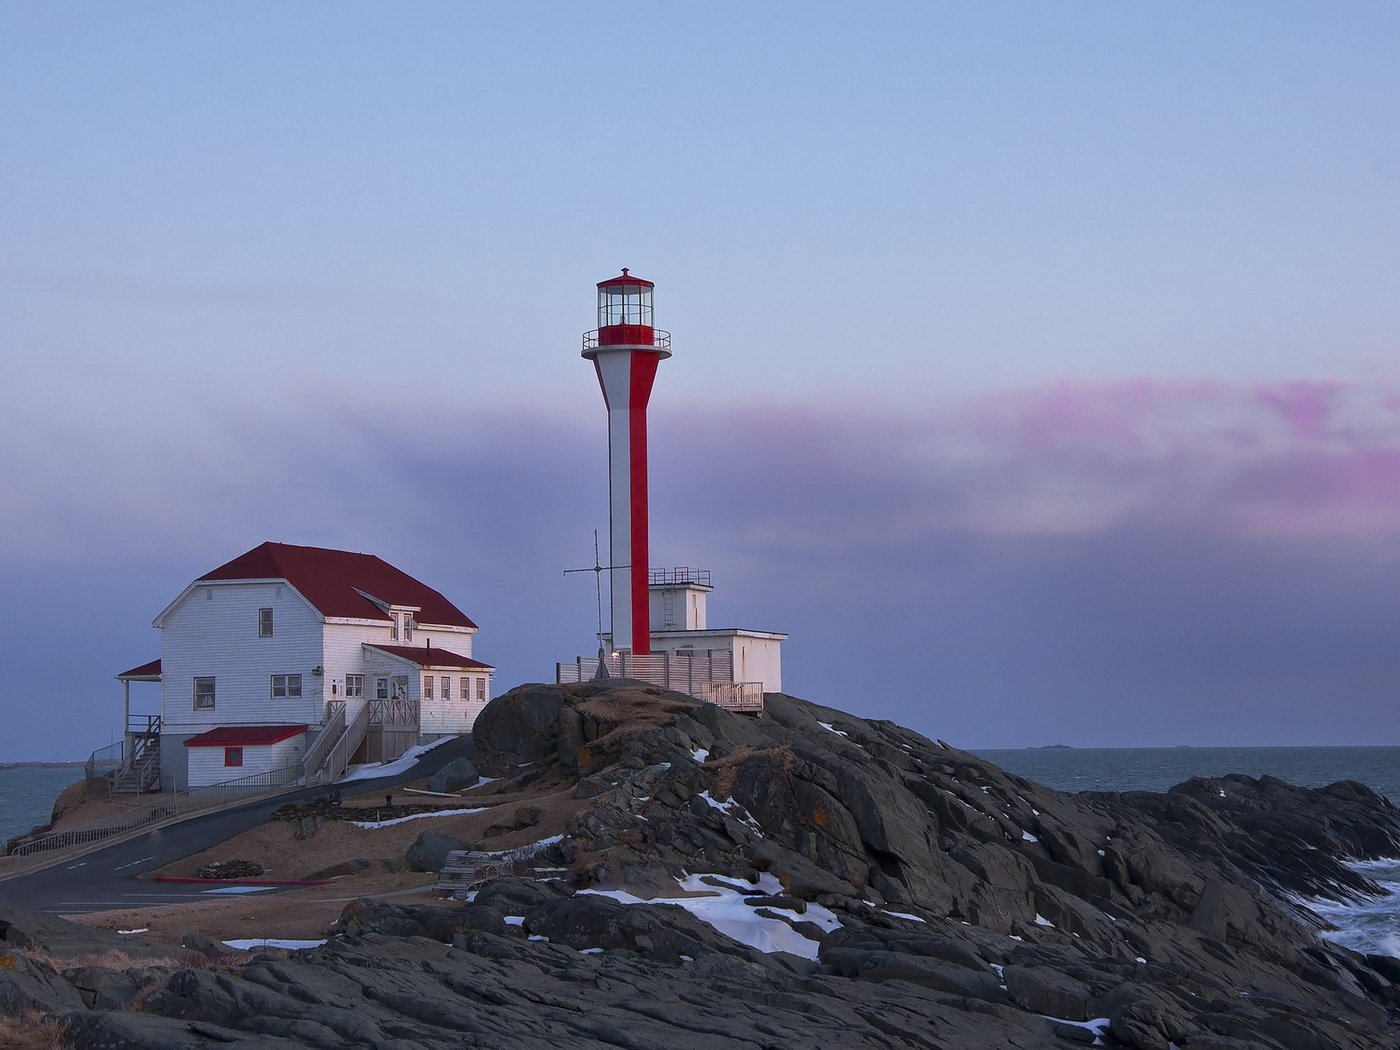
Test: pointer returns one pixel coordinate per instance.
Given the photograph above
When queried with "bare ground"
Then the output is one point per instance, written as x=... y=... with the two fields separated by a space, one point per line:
x=305 y=913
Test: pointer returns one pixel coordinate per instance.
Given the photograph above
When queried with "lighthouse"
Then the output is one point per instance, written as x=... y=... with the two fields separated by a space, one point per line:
x=625 y=349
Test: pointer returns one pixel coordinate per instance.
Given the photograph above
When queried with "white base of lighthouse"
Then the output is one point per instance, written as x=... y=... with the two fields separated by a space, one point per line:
x=626 y=374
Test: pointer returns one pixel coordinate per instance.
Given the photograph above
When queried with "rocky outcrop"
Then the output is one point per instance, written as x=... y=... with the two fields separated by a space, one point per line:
x=458 y=774
x=865 y=887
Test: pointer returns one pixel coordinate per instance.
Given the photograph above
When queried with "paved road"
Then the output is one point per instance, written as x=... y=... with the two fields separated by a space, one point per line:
x=108 y=878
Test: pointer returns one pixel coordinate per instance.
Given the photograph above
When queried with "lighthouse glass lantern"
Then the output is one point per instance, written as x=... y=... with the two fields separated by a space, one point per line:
x=624 y=312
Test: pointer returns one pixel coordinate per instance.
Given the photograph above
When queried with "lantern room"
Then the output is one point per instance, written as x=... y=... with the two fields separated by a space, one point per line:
x=624 y=316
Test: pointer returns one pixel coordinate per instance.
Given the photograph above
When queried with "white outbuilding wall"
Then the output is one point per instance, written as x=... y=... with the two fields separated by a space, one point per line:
x=206 y=764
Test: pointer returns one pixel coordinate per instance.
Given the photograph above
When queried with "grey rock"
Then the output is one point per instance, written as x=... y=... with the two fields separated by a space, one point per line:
x=340 y=869
x=430 y=849
x=27 y=987
x=458 y=774
x=1043 y=990
x=518 y=727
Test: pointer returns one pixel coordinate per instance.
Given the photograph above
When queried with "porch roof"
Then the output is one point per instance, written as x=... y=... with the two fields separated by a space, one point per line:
x=147 y=672
x=244 y=736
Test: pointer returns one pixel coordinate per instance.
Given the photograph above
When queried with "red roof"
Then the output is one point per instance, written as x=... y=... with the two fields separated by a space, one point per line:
x=432 y=656
x=625 y=278
x=331 y=581
x=150 y=670
x=244 y=736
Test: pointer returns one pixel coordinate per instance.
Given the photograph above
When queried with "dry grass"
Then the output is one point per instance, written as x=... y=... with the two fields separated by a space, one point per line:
x=111 y=959
x=33 y=1031
x=305 y=913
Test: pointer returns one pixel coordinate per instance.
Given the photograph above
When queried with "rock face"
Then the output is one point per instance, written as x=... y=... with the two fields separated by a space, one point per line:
x=923 y=898
x=457 y=774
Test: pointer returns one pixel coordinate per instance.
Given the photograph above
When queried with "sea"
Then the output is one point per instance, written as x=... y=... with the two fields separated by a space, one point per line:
x=27 y=795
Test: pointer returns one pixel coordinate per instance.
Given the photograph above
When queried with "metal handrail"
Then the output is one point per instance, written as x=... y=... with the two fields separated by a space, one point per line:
x=680 y=574
x=271 y=778
x=166 y=807
x=660 y=339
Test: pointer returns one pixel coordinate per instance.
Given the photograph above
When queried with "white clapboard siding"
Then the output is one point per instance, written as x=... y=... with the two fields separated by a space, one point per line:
x=206 y=764
x=214 y=633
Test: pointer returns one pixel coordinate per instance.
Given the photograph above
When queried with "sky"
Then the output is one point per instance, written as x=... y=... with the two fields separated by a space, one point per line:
x=1035 y=366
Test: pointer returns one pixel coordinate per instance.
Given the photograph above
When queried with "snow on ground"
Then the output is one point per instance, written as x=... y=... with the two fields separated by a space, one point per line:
x=700 y=754
x=832 y=729
x=1027 y=836
x=1041 y=920
x=224 y=890
x=143 y=929
x=402 y=764
x=250 y=943
x=723 y=908
x=903 y=915
x=417 y=816
x=1096 y=1026
x=733 y=809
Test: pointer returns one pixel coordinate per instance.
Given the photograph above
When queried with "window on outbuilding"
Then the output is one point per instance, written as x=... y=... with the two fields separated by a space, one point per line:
x=354 y=685
x=233 y=756
x=381 y=689
x=204 y=694
x=264 y=623
x=427 y=687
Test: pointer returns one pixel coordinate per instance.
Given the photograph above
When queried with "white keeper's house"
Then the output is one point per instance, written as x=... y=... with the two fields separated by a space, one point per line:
x=288 y=663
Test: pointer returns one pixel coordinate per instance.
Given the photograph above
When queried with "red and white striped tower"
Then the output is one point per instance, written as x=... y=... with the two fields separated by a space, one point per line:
x=625 y=350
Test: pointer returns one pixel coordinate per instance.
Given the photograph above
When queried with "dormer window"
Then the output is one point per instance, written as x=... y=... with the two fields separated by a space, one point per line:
x=408 y=625
x=394 y=627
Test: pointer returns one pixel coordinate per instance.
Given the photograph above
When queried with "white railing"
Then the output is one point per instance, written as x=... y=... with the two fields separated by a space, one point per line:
x=103 y=829
x=394 y=714
x=315 y=757
x=253 y=784
x=744 y=697
x=706 y=674
x=337 y=757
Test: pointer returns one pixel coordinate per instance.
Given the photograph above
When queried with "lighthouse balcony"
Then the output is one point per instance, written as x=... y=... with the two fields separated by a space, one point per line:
x=630 y=335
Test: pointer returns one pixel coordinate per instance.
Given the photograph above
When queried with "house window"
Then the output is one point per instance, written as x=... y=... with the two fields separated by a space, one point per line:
x=286 y=685
x=481 y=689
x=264 y=623
x=354 y=685
x=446 y=684
x=233 y=756
x=381 y=689
x=465 y=685
x=427 y=687
x=204 y=694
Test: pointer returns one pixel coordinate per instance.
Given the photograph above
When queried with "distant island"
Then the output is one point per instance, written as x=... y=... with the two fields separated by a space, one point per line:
x=1052 y=747
x=42 y=765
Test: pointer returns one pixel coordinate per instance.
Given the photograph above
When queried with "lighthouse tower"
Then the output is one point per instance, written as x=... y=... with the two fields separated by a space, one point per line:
x=625 y=350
